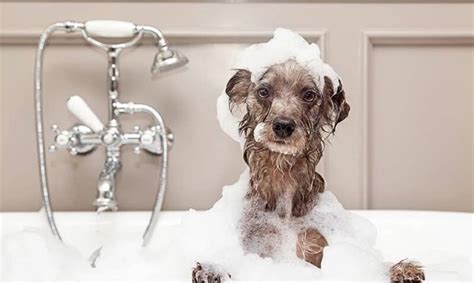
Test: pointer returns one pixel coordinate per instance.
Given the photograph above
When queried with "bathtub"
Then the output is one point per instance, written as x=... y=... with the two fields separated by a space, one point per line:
x=439 y=240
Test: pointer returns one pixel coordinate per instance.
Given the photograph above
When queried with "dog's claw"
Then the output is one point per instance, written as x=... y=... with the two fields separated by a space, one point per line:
x=207 y=273
x=407 y=272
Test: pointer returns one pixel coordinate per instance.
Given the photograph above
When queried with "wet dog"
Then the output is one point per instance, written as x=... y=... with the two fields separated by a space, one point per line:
x=288 y=117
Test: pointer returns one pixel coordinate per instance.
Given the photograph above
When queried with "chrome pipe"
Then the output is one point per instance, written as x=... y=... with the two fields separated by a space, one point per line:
x=132 y=108
x=113 y=80
x=157 y=34
x=126 y=139
x=67 y=26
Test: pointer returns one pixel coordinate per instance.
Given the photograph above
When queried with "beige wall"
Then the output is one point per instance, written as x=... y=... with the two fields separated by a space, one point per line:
x=407 y=69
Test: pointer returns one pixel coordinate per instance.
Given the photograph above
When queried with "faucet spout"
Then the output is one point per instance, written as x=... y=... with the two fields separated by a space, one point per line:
x=106 y=188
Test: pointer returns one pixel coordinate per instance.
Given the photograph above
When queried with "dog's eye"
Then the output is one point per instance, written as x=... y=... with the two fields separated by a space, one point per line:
x=309 y=96
x=263 y=92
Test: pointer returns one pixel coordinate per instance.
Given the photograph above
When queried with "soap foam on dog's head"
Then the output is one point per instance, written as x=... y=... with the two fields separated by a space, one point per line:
x=285 y=45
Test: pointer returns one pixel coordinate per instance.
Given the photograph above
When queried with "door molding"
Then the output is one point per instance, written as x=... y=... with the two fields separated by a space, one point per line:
x=372 y=38
x=29 y=37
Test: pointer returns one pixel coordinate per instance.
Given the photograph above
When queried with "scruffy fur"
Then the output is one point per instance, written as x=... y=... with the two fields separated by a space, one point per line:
x=285 y=126
x=406 y=271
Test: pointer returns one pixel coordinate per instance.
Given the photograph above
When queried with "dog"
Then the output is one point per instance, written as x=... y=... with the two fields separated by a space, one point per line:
x=285 y=127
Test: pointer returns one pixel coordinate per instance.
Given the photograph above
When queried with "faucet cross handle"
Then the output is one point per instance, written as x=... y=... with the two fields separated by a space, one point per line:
x=63 y=139
x=79 y=108
x=70 y=139
x=149 y=140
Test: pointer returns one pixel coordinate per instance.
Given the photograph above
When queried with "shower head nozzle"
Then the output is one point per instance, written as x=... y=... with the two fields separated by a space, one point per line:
x=166 y=60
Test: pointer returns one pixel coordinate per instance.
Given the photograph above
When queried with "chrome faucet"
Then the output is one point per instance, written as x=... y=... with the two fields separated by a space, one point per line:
x=106 y=187
x=84 y=138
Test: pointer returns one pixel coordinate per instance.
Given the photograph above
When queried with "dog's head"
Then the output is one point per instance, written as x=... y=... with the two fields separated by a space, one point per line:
x=286 y=111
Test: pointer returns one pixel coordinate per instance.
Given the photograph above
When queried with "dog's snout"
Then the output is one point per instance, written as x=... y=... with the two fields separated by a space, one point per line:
x=283 y=127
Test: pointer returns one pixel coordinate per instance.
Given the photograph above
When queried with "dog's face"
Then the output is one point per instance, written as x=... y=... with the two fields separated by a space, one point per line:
x=286 y=112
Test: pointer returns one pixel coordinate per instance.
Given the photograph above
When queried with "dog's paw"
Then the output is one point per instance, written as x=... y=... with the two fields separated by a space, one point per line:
x=406 y=272
x=208 y=273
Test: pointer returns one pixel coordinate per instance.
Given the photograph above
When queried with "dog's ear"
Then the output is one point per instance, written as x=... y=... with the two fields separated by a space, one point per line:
x=238 y=87
x=338 y=98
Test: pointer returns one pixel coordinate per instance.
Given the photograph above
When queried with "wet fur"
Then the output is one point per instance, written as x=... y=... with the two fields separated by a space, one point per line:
x=283 y=177
x=273 y=173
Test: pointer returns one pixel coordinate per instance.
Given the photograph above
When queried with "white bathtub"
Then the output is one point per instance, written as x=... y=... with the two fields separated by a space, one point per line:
x=436 y=239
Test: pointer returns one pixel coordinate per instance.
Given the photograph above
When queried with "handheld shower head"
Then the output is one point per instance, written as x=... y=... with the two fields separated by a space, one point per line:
x=166 y=60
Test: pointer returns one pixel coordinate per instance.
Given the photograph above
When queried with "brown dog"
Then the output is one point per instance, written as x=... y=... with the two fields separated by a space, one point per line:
x=284 y=128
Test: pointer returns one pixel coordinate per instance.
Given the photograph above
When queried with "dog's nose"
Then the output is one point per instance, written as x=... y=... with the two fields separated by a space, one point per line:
x=283 y=127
